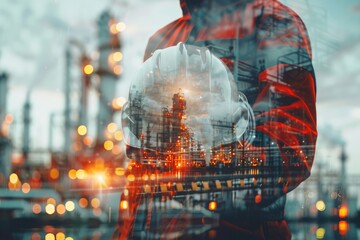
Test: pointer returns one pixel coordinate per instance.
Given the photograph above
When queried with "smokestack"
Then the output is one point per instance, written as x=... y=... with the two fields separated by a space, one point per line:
x=109 y=70
x=343 y=158
x=3 y=95
x=5 y=144
x=26 y=130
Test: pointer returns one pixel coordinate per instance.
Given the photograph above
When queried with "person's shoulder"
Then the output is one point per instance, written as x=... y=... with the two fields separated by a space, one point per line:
x=162 y=37
x=281 y=26
x=280 y=13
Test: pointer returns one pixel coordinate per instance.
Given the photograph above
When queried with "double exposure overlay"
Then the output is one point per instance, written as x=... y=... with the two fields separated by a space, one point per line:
x=220 y=148
x=179 y=119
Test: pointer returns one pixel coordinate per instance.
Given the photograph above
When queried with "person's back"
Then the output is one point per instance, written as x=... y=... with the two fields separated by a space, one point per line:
x=265 y=45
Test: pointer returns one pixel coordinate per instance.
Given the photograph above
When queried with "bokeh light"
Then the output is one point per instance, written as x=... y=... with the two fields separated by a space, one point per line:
x=81 y=174
x=124 y=204
x=26 y=188
x=49 y=236
x=120 y=26
x=320 y=233
x=108 y=145
x=13 y=178
x=343 y=227
x=212 y=206
x=54 y=173
x=119 y=171
x=82 y=130
x=60 y=209
x=117 y=56
x=83 y=202
x=51 y=201
x=118 y=136
x=320 y=205
x=117 y=103
x=60 y=236
x=117 y=69
x=88 y=69
x=131 y=177
x=36 y=208
x=70 y=206
x=95 y=202
x=50 y=209
x=72 y=174
x=112 y=127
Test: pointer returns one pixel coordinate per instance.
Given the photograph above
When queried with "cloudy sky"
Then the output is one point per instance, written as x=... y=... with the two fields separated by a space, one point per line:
x=34 y=35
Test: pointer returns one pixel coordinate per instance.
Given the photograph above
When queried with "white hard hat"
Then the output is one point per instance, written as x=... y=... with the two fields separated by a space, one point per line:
x=184 y=96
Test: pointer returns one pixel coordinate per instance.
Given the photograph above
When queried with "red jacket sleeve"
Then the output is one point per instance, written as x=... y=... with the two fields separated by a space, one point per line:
x=285 y=110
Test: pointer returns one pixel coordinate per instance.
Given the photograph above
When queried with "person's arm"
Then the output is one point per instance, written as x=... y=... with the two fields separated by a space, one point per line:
x=285 y=110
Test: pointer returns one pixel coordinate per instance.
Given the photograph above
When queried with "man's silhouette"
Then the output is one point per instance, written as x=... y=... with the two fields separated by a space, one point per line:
x=266 y=46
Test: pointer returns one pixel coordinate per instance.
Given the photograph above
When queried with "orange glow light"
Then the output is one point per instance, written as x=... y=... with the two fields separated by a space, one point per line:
x=124 y=205
x=119 y=171
x=88 y=69
x=113 y=29
x=51 y=201
x=13 y=178
x=117 y=56
x=26 y=188
x=54 y=173
x=258 y=198
x=343 y=227
x=343 y=211
x=95 y=202
x=87 y=140
x=83 y=202
x=60 y=236
x=131 y=178
x=118 y=136
x=112 y=127
x=117 y=69
x=81 y=174
x=99 y=163
x=108 y=145
x=145 y=177
x=117 y=103
x=72 y=174
x=212 y=206
x=36 y=208
x=9 y=118
x=60 y=209
x=14 y=187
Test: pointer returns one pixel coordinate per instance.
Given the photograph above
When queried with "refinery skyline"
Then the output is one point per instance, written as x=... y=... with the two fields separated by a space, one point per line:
x=338 y=112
